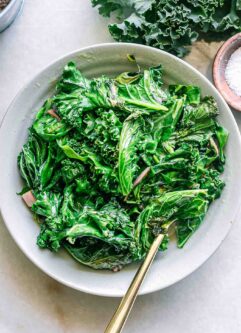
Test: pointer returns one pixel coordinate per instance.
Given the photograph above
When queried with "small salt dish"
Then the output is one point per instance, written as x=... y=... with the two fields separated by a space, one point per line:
x=219 y=68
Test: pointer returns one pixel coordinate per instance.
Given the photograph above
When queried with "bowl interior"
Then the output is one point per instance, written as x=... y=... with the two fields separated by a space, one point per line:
x=168 y=267
x=219 y=68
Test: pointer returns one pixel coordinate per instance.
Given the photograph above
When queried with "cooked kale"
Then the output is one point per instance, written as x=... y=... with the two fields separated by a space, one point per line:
x=111 y=161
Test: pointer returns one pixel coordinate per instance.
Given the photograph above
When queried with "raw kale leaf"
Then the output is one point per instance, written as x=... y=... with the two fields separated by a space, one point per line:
x=171 y=25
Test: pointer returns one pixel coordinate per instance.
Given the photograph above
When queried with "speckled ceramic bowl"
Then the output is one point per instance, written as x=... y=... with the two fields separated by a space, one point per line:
x=219 y=67
x=9 y=13
x=168 y=267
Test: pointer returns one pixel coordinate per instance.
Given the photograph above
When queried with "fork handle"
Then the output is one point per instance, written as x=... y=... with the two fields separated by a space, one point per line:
x=120 y=316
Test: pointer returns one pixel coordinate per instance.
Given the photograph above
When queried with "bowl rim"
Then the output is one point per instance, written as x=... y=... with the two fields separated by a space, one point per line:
x=215 y=72
x=31 y=82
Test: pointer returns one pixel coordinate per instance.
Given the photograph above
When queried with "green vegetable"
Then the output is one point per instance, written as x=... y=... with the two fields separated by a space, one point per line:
x=111 y=161
x=127 y=163
x=171 y=25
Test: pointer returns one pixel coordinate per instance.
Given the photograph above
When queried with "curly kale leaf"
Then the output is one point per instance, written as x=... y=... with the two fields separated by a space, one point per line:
x=182 y=206
x=107 y=6
x=71 y=80
x=99 y=239
x=77 y=95
x=101 y=129
x=171 y=25
x=144 y=93
x=48 y=127
x=71 y=169
x=127 y=162
x=38 y=162
x=76 y=150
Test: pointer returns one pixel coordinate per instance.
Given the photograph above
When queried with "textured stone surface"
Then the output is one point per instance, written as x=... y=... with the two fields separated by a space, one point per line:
x=207 y=301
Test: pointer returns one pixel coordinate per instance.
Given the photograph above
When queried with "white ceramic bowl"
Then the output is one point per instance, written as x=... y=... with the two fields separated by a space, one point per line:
x=168 y=267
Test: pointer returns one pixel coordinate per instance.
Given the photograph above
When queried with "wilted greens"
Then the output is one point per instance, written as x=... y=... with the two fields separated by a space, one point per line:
x=109 y=162
x=171 y=25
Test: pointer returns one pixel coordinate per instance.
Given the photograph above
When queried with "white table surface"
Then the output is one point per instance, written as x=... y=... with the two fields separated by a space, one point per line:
x=207 y=301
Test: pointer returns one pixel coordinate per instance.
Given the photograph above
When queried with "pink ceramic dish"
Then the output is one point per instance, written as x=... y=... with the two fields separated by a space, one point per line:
x=219 y=67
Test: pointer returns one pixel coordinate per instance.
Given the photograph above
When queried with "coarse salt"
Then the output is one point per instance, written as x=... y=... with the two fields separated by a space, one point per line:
x=233 y=72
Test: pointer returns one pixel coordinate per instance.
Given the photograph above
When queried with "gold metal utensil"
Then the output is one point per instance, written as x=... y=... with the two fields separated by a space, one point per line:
x=119 y=318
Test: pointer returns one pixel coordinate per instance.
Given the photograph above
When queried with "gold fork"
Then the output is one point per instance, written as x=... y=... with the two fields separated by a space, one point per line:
x=119 y=318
